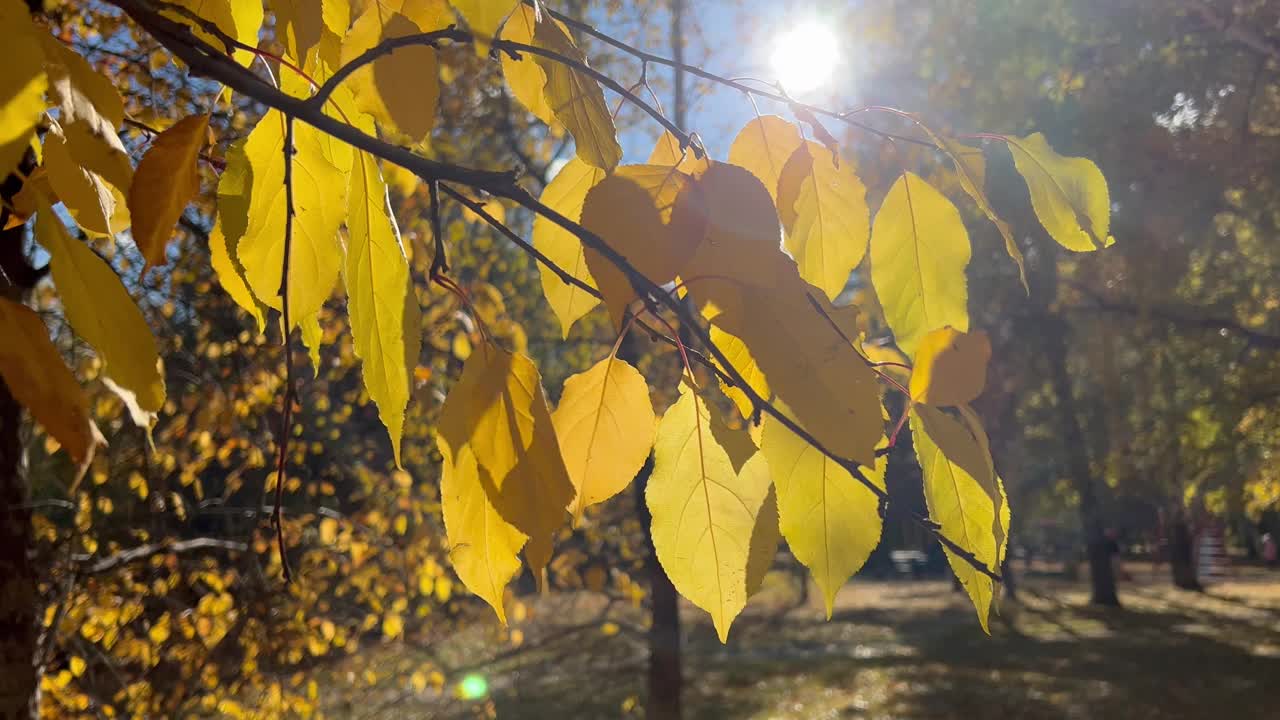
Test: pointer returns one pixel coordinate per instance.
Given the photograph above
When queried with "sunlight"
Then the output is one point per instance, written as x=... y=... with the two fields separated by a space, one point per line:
x=804 y=57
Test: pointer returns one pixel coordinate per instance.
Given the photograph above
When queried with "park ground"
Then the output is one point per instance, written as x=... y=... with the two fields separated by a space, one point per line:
x=890 y=650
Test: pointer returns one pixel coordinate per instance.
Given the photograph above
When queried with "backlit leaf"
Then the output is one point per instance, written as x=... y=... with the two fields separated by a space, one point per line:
x=951 y=367
x=86 y=196
x=919 y=250
x=499 y=409
x=763 y=147
x=739 y=357
x=959 y=487
x=483 y=17
x=704 y=514
x=566 y=194
x=525 y=76
x=377 y=280
x=483 y=546
x=667 y=151
x=101 y=311
x=1069 y=194
x=229 y=228
x=165 y=181
x=399 y=89
x=320 y=170
x=605 y=425
x=577 y=100
x=239 y=19
x=33 y=370
x=22 y=84
x=642 y=213
x=829 y=519
x=90 y=110
x=824 y=210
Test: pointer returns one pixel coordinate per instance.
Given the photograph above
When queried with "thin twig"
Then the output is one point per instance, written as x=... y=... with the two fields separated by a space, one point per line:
x=286 y=420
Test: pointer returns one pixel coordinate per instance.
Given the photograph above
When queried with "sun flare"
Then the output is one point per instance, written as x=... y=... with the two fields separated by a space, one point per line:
x=805 y=57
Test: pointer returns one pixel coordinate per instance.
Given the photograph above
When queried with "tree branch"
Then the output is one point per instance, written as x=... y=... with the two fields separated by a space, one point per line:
x=145 y=552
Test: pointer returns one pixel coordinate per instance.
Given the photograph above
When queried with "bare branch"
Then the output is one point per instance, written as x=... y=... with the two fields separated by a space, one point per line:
x=145 y=552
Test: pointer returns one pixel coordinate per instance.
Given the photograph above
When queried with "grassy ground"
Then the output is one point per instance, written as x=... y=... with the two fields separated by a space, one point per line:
x=891 y=650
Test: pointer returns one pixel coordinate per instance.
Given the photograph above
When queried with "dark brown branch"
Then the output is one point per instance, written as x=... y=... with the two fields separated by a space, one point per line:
x=285 y=421
x=144 y=552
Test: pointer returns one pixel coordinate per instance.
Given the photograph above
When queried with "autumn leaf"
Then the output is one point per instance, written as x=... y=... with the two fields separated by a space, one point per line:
x=22 y=84
x=704 y=514
x=85 y=195
x=499 y=409
x=483 y=17
x=399 y=89
x=377 y=280
x=971 y=168
x=919 y=250
x=960 y=492
x=321 y=167
x=1068 y=194
x=646 y=214
x=830 y=520
x=739 y=357
x=566 y=194
x=951 y=367
x=763 y=147
x=577 y=100
x=823 y=207
x=667 y=151
x=33 y=370
x=101 y=311
x=605 y=425
x=90 y=110
x=239 y=19
x=524 y=75
x=164 y=183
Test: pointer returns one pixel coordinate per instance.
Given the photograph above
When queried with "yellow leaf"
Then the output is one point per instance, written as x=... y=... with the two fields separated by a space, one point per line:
x=566 y=194
x=392 y=626
x=919 y=250
x=240 y=19
x=400 y=89
x=971 y=166
x=377 y=280
x=960 y=492
x=740 y=358
x=498 y=408
x=830 y=520
x=320 y=170
x=86 y=196
x=525 y=76
x=483 y=546
x=667 y=151
x=643 y=214
x=824 y=210
x=77 y=665
x=737 y=442
x=1069 y=194
x=765 y=534
x=577 y=100
x=230 y=277
x=301 y=23
x=703 y=515
x=90 y=110
x=101 y=311
x=165 y=181
x=763 y=147
x=328 y=531
x=951 y=367
x=34 y=372
x=483 y=17
x=605 y=425
x=22 y=84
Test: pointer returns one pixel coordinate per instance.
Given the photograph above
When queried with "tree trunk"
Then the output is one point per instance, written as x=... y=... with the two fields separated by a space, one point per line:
x=1182 y=559
x=1101 y=572
x=17 y=575
x=19 y=687
x=665 y=673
